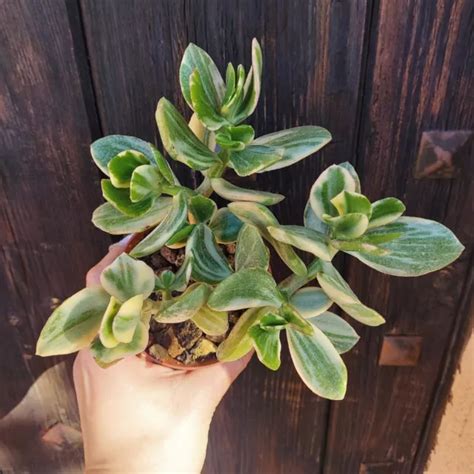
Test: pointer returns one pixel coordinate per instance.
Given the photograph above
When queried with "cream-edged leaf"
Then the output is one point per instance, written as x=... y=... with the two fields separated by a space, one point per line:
x=231 y=192
x=127 y=318
x=106 y=335
x=251 y=252
x=225 y=226
x=211 y=322
x=74 y=324
x=145 y=181
x=267 y=346
x=310 y=301
x=120 y=199
x=385 y=211
x=254 y=158
x=126 y=277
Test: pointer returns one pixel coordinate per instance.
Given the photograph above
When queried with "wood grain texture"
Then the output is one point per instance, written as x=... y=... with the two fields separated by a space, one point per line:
x=48 y=191
x=269 y=422
x=419 y=79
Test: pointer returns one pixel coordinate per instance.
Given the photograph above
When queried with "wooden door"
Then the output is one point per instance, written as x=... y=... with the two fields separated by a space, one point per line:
x=376 y=73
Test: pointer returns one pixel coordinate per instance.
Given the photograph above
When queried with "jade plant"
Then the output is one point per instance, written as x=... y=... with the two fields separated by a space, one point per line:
x=222 y=285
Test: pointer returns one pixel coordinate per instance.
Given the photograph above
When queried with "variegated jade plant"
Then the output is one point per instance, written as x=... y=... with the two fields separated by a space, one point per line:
x=143 y=194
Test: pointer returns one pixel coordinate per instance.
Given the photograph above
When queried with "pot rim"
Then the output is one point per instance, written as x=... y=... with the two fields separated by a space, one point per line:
x=171 y=363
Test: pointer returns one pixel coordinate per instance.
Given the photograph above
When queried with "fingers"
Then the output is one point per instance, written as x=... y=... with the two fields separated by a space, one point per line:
x=93 y=275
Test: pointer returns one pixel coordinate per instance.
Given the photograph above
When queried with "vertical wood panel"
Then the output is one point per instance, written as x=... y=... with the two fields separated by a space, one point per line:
x=48 y=190
x=419 y=80
x=269 y=422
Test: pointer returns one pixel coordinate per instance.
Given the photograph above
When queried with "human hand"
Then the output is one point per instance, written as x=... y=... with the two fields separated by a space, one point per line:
x=140 y=417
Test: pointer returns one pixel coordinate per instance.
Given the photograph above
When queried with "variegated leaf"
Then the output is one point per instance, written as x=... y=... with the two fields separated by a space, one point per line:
x=350 y=226
x=249 y=288
x=74 y=324
x=318 y=363
x=302 y=238
x=262 y=218
x=385 y=211
x=329 y=184
x=126 y=277
x=122 y=166
x=196 y=59
x=254 y=158
x=251 y=252
x=424 y=246
x=167 y=228
x=127 y=318
x=201 y=208
x=145 y=181
x=107 y=218
x=185 y=306
x=339 y=332
x=225 y=226
x=238 y=342
x=347 y=202
x=106 y=334
x=295 y=319
x=210 y=322
x=106 y=356
x=209 y=263
x=267 y=345
x=340 y=292
x=179 y=140
x=310 y=302
x=296 y=143
x=231 y=192
x=120 y=199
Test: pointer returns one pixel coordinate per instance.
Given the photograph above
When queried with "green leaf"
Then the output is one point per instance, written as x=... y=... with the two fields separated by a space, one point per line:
x=347 y=202
x=424 y=246
x=330 y=183
x=318 y=364
x=164 y=167
x=195 y=58
x=127 y=318
x=347 y=166
x=185 y=306
x=201 y=208
x=253 y=92
x=106 y=148
x=254 y=158
x=74 y=324
x=271 y=321
x=225 y=226
x=295 y=319
x=302 y=238
x=229 y=82
x=350 y=226
x=262 y=218
x=313 y=222
x=267 y=345
x=385 y=211
x=339 y=332
x=120 y=199
x=248 y=288
x=126 y=277
x=296 y=143
x=179 y=140
x=209 y=263
x=106 y=335
x=210 y=322
x=231 y=106
x=231 y=192
x=181 y=236
x=224 y=140
x=310 y=302
x=145 y=182
x=238 y=342
x=251 y=252
x=122 y=166
x=206 y=111
x=105 y=356
x=242 y=133
x=167 y=228
x=112 y=221
x=340 y=292
x=294 y=282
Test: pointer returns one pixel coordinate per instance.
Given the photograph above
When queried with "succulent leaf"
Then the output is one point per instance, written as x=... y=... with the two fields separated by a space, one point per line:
x=125 y=321
x=231 y=192
x=74 y=324
x=262 y=218
x=296 y=144
x=225 y=226
x=295 y=319
x=106 y=335
x=180 y=141
x=126 y=277
x=339 y=332
x=120 y=199
x=209 y=263
x=254 y=158
x=251 y=252
x=229 y=82
x=210 y=322
x=165 y=230
x=347 y=202
x=145 y=182
x=248 y=288
x=122 y=166
x=267 y=346
x=423 y=246
x=385 y=211
x=318 y=363
x=350 y=226
x=201 y=208
x=310 y=302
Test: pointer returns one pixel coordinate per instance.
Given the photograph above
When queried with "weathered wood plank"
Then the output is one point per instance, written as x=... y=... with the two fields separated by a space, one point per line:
x=418 y=80
x=48 y=190
x=313 y=53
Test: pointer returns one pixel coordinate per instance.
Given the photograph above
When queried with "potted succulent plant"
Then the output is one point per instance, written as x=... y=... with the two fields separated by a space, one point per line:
x=195 y=285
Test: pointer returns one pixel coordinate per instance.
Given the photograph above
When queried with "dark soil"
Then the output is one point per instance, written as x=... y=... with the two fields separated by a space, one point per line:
x=183 y=342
